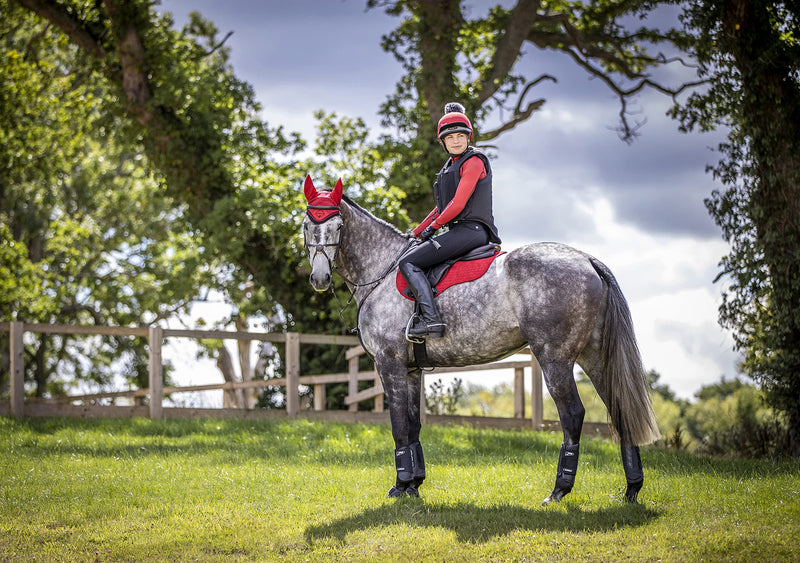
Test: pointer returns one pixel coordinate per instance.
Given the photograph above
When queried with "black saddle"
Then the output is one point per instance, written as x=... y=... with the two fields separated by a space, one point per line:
x=437 y=273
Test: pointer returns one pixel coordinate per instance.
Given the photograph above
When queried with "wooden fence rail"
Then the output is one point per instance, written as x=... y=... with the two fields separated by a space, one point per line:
x=18 y=406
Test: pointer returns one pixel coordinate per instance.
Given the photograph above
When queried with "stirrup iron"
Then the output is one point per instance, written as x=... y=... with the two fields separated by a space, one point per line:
x=409 y=324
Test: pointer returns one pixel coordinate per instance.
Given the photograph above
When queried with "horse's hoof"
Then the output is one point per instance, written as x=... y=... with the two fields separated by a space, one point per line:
x=555 y=496
x=412 y=492
x=394 y=492
x=632 y=492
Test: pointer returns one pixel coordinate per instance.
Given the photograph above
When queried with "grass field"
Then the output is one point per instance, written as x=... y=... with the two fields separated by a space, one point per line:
x=223 y=490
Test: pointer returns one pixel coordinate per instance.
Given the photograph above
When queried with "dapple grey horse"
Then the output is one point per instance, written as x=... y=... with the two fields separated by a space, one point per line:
x=562 y=303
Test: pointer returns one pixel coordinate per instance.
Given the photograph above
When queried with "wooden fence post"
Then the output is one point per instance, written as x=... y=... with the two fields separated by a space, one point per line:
x=537 y=409
x=352 y=381
x=320 y=396
x=17 y=365
x=292 y=374
x=519 y=392
x=156 y=371
x=378 y=398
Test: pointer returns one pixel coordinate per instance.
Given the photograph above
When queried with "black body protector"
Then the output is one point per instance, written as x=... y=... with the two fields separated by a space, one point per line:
x=479 y=205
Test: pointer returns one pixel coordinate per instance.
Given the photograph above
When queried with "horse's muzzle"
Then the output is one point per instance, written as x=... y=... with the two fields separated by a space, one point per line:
x=320 y=282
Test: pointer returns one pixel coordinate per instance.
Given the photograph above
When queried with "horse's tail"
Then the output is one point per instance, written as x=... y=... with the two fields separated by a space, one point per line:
x=627 y=390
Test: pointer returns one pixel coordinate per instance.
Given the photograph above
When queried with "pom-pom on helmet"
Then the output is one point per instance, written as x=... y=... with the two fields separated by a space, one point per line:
x=454 y=121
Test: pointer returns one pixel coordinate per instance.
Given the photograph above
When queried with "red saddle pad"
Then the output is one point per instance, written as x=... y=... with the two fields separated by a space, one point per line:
x=460 y=272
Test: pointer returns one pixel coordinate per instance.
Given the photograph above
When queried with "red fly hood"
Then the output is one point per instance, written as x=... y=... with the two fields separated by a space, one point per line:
x=322 y=205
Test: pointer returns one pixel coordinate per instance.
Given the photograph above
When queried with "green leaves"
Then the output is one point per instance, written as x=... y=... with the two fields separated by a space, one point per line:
x=21 y=281
x=750 y=57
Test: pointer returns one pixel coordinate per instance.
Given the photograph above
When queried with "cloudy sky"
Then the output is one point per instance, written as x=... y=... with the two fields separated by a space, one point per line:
x=563 y=176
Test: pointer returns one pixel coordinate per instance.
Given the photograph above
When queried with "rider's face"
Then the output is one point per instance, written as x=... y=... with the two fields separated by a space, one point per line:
x=456 y=143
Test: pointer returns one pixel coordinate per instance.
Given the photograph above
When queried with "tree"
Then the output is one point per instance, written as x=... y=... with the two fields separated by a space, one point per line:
x=749 y=50
x=178 y=101
x=88 y=236
x=448 y=56
x=217 y=188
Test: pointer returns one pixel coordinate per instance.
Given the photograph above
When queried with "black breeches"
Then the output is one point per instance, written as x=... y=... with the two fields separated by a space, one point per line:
x=460 y=239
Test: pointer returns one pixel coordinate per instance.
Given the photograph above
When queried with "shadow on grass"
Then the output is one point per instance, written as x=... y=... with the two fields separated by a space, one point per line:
x=479 y=524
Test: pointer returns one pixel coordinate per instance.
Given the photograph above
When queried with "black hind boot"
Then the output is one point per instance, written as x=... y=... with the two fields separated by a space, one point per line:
x=429 y=323
x=634 y=474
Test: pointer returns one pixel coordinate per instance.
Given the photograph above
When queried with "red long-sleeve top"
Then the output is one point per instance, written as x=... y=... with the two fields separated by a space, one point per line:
x=471 y=171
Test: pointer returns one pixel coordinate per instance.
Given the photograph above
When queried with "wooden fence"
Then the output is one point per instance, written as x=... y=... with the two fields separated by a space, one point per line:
x=66 y=406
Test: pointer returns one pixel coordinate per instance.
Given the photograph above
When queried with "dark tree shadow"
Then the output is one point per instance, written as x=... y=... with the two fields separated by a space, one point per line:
x=479 y=524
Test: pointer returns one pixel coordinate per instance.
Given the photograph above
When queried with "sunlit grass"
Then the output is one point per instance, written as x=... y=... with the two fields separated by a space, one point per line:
x=222 y=490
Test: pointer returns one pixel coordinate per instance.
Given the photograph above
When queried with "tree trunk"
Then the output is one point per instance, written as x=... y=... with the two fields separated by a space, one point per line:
x=246 y=366
x=233 y=398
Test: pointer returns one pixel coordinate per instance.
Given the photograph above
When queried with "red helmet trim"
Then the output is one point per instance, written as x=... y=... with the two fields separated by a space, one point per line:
x=450 y=121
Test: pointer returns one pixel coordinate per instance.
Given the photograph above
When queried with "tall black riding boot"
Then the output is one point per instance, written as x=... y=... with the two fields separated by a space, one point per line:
x=429 y=324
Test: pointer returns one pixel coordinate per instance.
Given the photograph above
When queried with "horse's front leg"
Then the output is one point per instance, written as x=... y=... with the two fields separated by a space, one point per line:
x=403 y=388
x=561 y=385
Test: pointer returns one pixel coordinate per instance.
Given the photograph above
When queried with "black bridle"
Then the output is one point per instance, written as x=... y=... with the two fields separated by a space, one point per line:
x=321 y=247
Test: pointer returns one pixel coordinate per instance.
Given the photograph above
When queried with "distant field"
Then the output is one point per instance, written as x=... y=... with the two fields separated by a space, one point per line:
x=227 y=490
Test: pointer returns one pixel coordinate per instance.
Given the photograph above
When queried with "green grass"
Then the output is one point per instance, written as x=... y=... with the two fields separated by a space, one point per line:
x=223 y=490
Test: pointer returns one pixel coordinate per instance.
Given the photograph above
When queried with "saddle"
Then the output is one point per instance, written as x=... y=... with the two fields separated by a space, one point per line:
x=468 y=267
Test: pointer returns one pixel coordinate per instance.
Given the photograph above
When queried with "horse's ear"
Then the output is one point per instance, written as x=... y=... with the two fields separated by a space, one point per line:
x=336 y=194
x=309 y=189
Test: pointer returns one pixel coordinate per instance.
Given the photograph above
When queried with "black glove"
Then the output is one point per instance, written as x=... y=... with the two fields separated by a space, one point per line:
x=427 y=233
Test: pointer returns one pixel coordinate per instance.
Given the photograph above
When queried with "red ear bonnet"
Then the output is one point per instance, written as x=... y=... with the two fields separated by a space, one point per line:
x=322 y=205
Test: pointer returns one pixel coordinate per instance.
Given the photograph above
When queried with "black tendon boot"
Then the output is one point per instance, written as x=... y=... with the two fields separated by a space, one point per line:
x=565 y=474
x=634 y=474
x=417 y=469
x=410 y=466
x=429 y=324
x=404 y=464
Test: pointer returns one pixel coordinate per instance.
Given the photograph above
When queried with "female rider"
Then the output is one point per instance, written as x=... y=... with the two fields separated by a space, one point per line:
x=463 y=196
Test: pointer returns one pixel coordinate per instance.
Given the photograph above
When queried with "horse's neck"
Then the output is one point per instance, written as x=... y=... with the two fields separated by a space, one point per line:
x=369 y=246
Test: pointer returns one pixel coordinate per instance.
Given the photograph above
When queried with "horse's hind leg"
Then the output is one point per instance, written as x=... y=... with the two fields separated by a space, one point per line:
x=631 y=459
x=561 y=385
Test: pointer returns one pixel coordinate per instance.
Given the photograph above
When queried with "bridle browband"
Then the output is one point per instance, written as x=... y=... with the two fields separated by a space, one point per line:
x=321 y=213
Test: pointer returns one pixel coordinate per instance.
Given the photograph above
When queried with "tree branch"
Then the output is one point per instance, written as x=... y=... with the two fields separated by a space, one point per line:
x=73 y=27
x=626 y=131
x=583 y=49
x=218 y=46
x=522 y=18
x=519 y=114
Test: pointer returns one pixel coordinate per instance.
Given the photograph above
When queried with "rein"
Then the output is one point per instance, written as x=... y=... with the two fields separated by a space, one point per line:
x=374 y=283
x=355 y=286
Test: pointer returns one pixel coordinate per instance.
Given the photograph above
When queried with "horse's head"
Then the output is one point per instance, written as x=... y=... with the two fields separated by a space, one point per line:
x=322 y=231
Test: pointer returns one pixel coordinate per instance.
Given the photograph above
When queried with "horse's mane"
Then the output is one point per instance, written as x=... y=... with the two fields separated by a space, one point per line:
x=358 y=209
